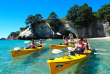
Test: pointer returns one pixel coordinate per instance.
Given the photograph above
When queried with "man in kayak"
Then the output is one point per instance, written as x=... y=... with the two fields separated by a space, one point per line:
x=65 y=40
x=79 y=47
x=87 y=45
x=32 y=44
x=40 y=42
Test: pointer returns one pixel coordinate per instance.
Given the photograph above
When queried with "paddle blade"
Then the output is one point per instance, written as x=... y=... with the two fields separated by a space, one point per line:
x=100 y=49
x=17 y=48
x=58 y=33
x=70 y=48
x=26 y=41
x=49 y=39
x=55 y=51
x=103 y=53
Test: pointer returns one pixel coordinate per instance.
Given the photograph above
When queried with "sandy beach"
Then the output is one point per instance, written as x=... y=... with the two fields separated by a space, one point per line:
x=99 y=38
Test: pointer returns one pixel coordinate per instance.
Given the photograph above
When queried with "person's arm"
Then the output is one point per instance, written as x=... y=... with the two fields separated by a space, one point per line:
x=77 y=37
x=43 y=40
x=72 y=37
x=74 y=49
x=64 y=37
x=86 y=48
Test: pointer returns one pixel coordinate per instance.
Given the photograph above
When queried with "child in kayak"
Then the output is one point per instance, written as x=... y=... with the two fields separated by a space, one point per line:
x=32 y=44
x=79 y=47
x=65 y=40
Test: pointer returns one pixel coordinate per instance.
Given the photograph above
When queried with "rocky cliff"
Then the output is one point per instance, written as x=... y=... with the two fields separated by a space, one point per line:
x=96 y=29
x=39 y=31
x=13 y=36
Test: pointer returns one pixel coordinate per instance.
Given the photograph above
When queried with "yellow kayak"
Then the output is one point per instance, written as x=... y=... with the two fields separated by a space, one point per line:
x=16 y=53
x=58 y=65
x=52 y=46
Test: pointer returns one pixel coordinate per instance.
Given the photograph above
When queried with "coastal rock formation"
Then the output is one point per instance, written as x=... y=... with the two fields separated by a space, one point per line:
x=96 y=29
x=39 y=31
x=43 y=30
x=28 y=33
x=13 y=36
x=3 y=39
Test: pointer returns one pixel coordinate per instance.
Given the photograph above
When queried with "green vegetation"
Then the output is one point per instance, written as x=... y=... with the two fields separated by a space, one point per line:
x=108 y=31
x=104 y=12
x=33 y=20
x=15 y=33
x=23 y=28
x=54 y=22
x=80 y=15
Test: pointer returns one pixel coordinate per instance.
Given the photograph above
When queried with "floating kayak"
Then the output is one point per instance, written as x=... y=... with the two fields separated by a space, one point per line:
x=58 y=65
x=16 y=53
x=52 y=46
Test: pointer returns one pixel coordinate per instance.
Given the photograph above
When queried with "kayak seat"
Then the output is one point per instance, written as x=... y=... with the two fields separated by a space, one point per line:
x=60 y=44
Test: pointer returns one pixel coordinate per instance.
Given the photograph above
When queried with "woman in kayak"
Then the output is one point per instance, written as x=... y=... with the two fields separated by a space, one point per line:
x=40 y=42
x=79 y=47
x=72 y=40
x=65 y=40
x=86 y=44
x=32 y=44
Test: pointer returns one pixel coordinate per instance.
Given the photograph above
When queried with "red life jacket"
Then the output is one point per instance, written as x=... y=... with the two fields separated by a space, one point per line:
x=39 y=43
x=86 y=44
x=80 y=45
x=66 y=41
x=31 y=44
x=73 y=41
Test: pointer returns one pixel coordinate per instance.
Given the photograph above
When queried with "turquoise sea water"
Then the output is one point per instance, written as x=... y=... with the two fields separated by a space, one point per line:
x=36 y=63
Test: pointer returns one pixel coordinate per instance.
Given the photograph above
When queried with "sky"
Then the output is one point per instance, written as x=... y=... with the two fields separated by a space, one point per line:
x=13 y=13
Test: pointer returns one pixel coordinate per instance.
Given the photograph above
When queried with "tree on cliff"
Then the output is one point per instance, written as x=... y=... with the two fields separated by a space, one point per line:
x=81 y=16
x=54 y=22
x=104 y=12
x=33 y=20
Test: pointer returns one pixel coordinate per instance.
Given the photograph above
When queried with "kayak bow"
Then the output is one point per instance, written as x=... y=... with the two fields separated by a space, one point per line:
x=58 y=65
x=52 y=46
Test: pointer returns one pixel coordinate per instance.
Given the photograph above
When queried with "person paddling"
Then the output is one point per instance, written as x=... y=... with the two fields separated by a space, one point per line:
x=40 y=42
x=79 y=47
x=65 y=40
x=32 y=44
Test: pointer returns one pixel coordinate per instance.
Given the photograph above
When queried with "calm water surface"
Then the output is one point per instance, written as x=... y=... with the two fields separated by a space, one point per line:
x=36 y=63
